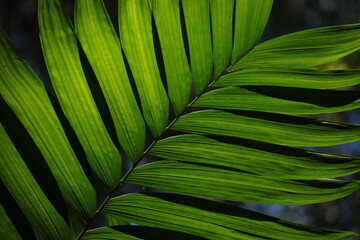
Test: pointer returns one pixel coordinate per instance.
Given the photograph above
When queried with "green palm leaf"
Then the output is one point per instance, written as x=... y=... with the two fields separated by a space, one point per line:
x=27 y=97
x=170 y=59
x=69 y=82
x=209 y=219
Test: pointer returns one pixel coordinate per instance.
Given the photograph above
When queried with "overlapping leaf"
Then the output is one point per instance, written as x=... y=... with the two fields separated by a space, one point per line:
x=41 y=214
x=304 y=49
x=178 y=76
x=63 y=63
x=280 y=100
x=271 y=128
x=260 y=158
x=102 y=47
x=168 y=45
x=290 y=77
x=197 y=18
x=27 y=97
x=137 y=41
x=209 y=219
x=231 y=184
x=7 y=229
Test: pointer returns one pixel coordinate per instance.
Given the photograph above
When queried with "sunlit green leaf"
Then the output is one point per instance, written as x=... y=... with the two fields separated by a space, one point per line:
x=27 y=97
x=63 y=63
x=7 y=229
x=137 y=41
x=197 y=19
x=222 y=33
x=107 y=233
x=290 y=77
x=304 y=49
x=102 y=47
x=43 y=217
x=271 y=128
x=263 y=159
x=250 y=19
x=209 y=219
x=280 y=100
x=178 y=76
x=231 y=184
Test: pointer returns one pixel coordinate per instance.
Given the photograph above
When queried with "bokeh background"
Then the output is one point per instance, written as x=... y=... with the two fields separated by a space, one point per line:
x=18 y=19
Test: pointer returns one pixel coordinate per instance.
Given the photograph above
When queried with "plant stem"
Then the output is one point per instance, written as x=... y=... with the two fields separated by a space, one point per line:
x=123 y=179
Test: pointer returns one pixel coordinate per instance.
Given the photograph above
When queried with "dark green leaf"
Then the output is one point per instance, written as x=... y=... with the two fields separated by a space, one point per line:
x=280 y=100
x=268 y=160
x=42 y=215
x=209 y=219
x=267 y=127
x=290 y=77
x=222 y=33
x=231 y=184
x=7 y=229
x=23 y=91
x=178 y=76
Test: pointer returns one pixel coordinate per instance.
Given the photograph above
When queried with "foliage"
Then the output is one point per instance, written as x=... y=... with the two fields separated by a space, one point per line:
x=185 y=86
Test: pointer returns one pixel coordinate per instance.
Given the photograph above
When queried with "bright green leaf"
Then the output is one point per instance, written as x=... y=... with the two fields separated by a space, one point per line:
x=267 y=127
x=63 y=63
x=197 y=19
x=268 y=160
x=43 y=217
x=178 y=76
x=304 y=49
x=107 y=233
x=7 y=229
x=102 y=47
x=209 y=219
x=290 y=77
x=137 y=41
x=280 y=100
x=250 y=19
x=231 y=184
x=222 y=33
x=27 y=97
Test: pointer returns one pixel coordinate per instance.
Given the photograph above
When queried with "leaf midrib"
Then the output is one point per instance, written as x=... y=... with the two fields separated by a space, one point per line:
x=135 y=164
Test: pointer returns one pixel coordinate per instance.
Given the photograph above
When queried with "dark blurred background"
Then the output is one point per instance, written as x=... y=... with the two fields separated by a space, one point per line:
x=18 y=19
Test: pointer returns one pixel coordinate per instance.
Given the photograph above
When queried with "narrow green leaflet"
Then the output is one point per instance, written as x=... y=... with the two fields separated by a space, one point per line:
x=271 y=128
x=7 y=229
x=107 y=233
x=222 y=34
x=197 y=19
x=115 y=220
x=266 y=160
x=231 y=184
x=290 y=77
x=280 y=100
x=250 y=19
x=23 y=91
x=63 y=63
x=211 y=220
x=139 y=232
x=135 y=28
x=42 y=216
x=102 y=47
x=178 y=75
x=304 y=49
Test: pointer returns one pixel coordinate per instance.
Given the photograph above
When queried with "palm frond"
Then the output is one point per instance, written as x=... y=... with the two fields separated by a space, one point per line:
x=222 y=114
